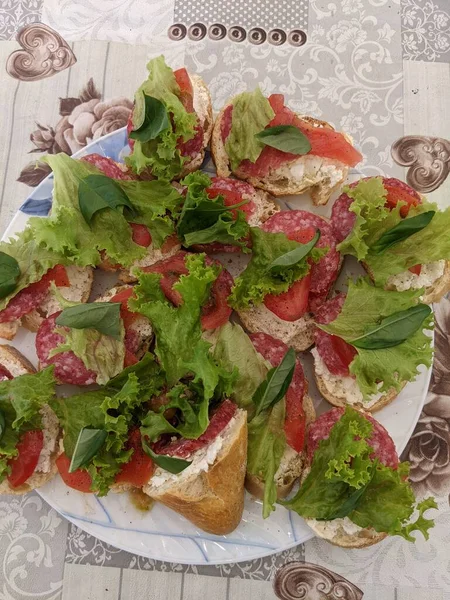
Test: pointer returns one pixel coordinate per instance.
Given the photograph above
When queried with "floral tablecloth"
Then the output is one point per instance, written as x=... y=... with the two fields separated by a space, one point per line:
x=378 y=69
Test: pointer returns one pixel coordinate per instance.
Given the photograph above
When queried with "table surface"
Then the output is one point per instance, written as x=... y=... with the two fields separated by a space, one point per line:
x=378 y=69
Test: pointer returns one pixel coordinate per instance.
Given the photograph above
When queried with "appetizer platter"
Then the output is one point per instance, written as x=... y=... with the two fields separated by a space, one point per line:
x=211 y=364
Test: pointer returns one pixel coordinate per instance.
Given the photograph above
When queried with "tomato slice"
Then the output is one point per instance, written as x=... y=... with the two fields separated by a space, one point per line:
x=57 y=274
x=78 y=480
x=123 y=296
x=294 y=425
x=416 y=269
x=170 y=269
x=23 y=465
x=130 y=358
x=140 y=467
x=186 y=91
x=276 y=102
x=5 y=374
x=293 y=304
x=303 y=236
x=397 y=194
x=345 y=352
x=141 y=235
x=170 y=243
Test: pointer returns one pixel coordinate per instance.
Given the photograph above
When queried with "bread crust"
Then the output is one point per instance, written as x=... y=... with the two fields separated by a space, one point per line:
x=282 y=186
x=15 y=361
x=212 y=500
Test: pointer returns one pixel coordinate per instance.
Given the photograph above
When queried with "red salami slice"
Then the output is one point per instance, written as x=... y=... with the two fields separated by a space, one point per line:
x=194 y=146
x=24 y=302
x=4 y=374
x=68 y=367
x=343 y=219
x=381 y=441
x=132 y=340
x=330 y=309
x=183 y=448
x=323 y=273
x=273 y=351
x=225 y=123
x=107 y=166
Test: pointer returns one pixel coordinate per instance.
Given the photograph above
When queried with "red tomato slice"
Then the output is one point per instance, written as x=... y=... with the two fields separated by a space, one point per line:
x=130 y=358
x=140 y=467
x=397 y=194
x=303 y=236
x=78 y=480
x=58 y=274
x=123 y=296
x=345 y=352
x=293 y=304
x=186 y=91
x=170 y=243
x=276 y=102
x=141 y=235
x=5 y=374
x=294 y=425
x=23 y=465
x=171 y=269
x=416 y=269
x=231 y=197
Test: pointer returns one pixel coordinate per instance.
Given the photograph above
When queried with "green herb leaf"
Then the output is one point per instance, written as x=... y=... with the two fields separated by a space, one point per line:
x=402 y=231
x=97 y=192
x=9 y=274
x=394 y=329
x=102 y=316
x=286 y=138
x=294 y=256
x=88 y=444
x=276 y=384
x=2 y=424
x=150 y=118
x=168 y=463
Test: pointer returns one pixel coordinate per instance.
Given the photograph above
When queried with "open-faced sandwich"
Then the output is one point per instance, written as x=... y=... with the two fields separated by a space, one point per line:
x=272 y=388
x=402 y=239
x=29 y=428
x=171 y=123
x=293 y=266
x=355 y=492
x=93 y=342
x=369 y=344
x=262 y=141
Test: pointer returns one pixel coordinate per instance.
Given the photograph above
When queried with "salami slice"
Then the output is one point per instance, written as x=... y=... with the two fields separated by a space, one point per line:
x=273 y=351
x=107 y=166
x=324 y=272
x=68 y=367
x=380 y=441
x=4 y=374
x=330 y=309
x=183 y=448
x=24 y=302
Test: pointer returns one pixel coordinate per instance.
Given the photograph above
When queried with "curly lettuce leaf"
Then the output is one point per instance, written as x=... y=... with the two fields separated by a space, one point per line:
x=100 y=353
x=66 y=233
x=251 y=114
x=161 y=155
x=204 y=220
x=21 y=400
x=345 y=480
x=266 y=446
x=373 y=219
x=258 y=280
x=383 y=369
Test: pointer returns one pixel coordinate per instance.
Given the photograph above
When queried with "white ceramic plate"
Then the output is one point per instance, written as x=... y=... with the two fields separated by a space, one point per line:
x=161 y=533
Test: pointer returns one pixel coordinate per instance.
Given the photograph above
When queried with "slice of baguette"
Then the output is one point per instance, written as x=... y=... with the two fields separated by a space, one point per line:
x=340 y=400
x=18 y=365
x=296 y=334
x=320 y=176
x=291 y=466
x=153 y=256
x=433 y=293
x=213 y=499
x=80 y=278
x=361 y=539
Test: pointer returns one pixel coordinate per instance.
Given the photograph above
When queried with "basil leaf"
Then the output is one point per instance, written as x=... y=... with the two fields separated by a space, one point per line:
x=394 y=329
x=2 y=424
x=168 y=463
x=402 y=231
x=150 y=118
x=102 y=316
x=88 y=444
x=286 y=138
x=295 y=256
x=9 y=274
x=97 y=192
x=276 y=384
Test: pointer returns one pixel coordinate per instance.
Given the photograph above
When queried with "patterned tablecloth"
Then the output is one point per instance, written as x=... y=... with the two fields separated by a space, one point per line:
x=378 y=69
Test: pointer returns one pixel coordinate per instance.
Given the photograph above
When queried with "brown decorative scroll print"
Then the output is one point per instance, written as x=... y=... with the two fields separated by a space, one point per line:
x=428 y=159
x=305 y=581
x=44 y=53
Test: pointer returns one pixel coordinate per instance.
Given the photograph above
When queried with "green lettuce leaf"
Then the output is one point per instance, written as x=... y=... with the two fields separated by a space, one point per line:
x=66 y=232
x=373 y=219
x=345 y=481
x=161 y=155
x=21 y=400
x=266 y=446
x=204 y=220
x=100 y=353
x=258 y=279
x=390 y=366
x=251 y=114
